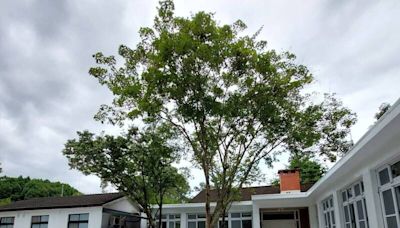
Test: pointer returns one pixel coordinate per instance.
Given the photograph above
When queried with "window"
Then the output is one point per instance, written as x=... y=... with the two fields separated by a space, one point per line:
x=78 y=221
x=241 y=220
x=7 y=222
x=354 y=207
x=389 y=190
x=328 y=213
x=283 y=215
x=196 y=220
x=170 y=221
x=40 y=221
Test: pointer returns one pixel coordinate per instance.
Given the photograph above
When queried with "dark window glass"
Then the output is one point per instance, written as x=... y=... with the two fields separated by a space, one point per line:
x=388 y=202
x=395 y=169
x=360 y=210
x=201 y=215
x=192 y=224
x=344 y=196
x=384 y=177
x=235 y=215
x=235 y=224
x=192 y=216
x=246 y=224
x=346 y=214
x=391 y=222
x=201 y=224
x=247 y=214
x=357 y=190
x=223 y=225
x=278 y=216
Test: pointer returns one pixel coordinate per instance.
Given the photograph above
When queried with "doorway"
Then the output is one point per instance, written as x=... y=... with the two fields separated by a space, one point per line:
x=280 y=219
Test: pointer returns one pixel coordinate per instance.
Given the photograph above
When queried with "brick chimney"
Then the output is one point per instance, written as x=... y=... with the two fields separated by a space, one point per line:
x=290 y=181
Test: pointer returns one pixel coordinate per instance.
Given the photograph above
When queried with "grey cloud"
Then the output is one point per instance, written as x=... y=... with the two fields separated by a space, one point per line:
x=46 y=94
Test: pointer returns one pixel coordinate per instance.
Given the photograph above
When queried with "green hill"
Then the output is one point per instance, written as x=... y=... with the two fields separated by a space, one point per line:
x=20 y=188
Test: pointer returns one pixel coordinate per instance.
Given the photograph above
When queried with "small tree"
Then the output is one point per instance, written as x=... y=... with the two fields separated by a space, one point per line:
x=233 y=102
x=310 y=169
x=383 y=108
x=137 y=164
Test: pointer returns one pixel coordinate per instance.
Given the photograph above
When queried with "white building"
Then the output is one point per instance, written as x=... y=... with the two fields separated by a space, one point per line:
x=362 y=190
x=86 y=211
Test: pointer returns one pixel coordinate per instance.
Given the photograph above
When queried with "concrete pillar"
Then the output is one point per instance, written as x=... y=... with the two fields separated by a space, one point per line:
x=337 y=205
x=313 y=214
x=183 y=220
x=373 y=204
x=256 y=216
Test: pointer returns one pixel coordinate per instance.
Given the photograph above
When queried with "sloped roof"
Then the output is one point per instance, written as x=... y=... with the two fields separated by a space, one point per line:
x=245 y=193
x=62 y=202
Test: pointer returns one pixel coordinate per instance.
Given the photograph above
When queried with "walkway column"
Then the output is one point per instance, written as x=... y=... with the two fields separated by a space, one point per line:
x=372 y=199
x=313 y=216
x=256 y=216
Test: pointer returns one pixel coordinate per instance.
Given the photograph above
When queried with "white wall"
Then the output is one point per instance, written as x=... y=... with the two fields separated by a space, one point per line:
x=58 y=218
x=122 y=204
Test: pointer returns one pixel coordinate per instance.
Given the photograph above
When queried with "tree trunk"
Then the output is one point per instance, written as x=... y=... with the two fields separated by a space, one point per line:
x=208 y=208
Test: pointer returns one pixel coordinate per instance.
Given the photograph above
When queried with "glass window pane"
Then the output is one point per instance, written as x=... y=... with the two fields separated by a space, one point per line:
x=391 y=222
x=191 y=216
x=35 y=219
x=349 y=193
x=43 y=225
x=73 y=217
x=45 y=218
x=171 y=225
x=177 y=216
x=346 y=213
x=357 y=190
x=83 y=225
x=247 y=214
x=395 y=169
x=388 y=202
x=362 y=224
x=344 y=196
x=246 y=224
x=201 y=224
x=171 y=216
x=191 y=224
x=360 y=210
x=201 y=215
x=178 y=224
x=333 y=217
x=84 y=217
x=35 y=225
x=73 y=225
x=235 y=215
x=235 y=224
x=384 y=177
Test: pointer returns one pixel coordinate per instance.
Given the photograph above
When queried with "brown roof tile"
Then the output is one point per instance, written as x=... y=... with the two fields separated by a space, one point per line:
x=246 y=193
x=62 y=202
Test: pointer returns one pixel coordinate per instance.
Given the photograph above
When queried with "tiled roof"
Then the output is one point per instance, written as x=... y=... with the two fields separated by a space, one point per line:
x=62 y=202
x=246 y=193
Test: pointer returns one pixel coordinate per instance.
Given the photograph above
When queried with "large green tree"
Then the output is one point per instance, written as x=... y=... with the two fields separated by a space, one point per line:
x=20 y=188
x=233 y=102
x=139 y=164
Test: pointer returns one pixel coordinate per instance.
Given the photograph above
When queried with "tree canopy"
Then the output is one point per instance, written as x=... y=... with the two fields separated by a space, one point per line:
x=138 y=163
x=233 y=102
x=21 y=188
x=383 y=108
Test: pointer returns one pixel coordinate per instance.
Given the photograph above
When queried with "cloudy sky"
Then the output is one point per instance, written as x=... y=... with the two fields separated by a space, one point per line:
x=46 y=94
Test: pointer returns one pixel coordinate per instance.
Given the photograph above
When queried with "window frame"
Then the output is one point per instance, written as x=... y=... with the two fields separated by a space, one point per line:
x=78 y=221
x=168 y=220
x=328 y=212
x=8 y=223
x=351 y=201
x=391 y=185
x=40 y=220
